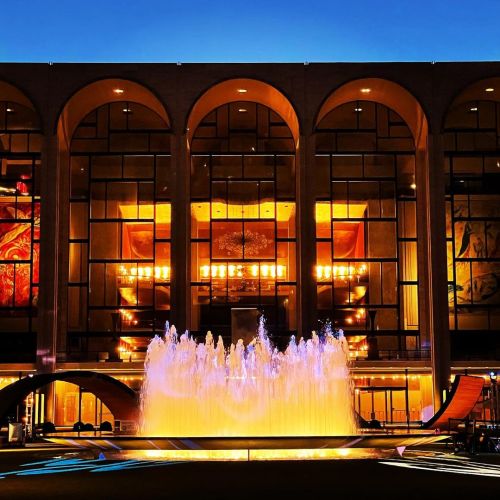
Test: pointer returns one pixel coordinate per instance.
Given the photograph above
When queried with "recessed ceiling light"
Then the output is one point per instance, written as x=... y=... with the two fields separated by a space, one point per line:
x=473 y=109
x=242 y=110
x=242 y=91
x=489 y=89
x=366 y=90
x=10 y=110
x=118 y=91
x=358 y=110
x=127 y=110
x=413 y=186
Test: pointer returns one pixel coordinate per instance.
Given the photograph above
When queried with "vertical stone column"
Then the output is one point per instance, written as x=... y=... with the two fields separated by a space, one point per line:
x=180 y=301
x=50 y=240
x=306 y=237
x=433 y=262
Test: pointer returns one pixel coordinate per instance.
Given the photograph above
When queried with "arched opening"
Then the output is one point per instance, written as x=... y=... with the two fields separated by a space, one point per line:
x=383 y=92
x=243 y=139
x=368 y=137
x=82 y=396
x=472 y=170
x=118 y=162
x=20 y=160
x=243 y=89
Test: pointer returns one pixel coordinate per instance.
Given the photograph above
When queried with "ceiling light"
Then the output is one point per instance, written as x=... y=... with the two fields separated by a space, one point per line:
x=413 y=186
x=118 y=91
x=127 y=110
x=358 y=110
x=366 y=90
x=10 y=110
x=473 y=109
x=489 y=89
x=242 y=91
x=242 y=110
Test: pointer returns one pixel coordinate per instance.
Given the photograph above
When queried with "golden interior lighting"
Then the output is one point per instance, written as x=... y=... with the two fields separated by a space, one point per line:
x=489 y=89
x=326 y=211
x=235 y=271
x=281 y=211
x=126 y=316
x=159 y=273
x=118 y=91
x=340 y=272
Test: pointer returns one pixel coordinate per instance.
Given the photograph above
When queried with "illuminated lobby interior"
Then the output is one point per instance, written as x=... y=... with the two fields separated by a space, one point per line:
x=207 y=195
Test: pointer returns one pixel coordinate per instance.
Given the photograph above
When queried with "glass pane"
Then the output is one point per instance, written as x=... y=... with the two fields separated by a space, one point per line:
x=137 y=240
x=78 y=221
x=104 y=240
x=381 y=240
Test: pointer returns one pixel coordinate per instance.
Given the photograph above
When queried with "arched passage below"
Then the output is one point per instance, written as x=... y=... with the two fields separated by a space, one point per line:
x=122 y=401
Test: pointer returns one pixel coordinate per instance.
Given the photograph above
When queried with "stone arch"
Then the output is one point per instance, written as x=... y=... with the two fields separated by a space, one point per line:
x=11 y=93
x=384 y=92
x=122 y=401
x=102 y=92
x=487 y=89
x=243 y=89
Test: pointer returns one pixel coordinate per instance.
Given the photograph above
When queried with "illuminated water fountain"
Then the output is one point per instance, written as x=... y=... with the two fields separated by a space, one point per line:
x=203 y=390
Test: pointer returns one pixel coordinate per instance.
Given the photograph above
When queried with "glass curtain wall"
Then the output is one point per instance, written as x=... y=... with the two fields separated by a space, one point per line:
x=243 y=239
x=20 y=142
x=472 y=169
x=119 y=238
x=366 y=235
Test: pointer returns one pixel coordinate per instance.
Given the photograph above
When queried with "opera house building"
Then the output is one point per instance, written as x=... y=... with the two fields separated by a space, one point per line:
x=355 y=197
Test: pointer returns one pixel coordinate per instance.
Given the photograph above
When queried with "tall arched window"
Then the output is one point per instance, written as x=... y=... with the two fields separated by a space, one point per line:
x=20 y=143
x=243 y=239
x=119 y=238
x=472 y=169
x=366 y=235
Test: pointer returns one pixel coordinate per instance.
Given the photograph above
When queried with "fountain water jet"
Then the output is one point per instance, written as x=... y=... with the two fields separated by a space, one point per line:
x=201 y=390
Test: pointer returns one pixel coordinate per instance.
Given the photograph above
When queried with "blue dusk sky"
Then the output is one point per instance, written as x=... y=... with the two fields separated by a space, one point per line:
x=249 y=31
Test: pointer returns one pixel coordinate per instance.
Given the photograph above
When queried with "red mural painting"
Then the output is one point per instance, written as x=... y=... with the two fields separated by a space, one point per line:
x=17 y=242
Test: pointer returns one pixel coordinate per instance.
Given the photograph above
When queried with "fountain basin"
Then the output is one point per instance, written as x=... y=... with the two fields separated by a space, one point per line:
x=369 y=446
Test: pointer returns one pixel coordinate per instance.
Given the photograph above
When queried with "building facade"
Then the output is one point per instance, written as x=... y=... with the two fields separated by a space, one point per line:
x=361 y=197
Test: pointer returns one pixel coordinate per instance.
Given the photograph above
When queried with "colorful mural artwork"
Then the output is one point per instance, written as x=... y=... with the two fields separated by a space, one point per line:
x=19 y=251
x=477 y=248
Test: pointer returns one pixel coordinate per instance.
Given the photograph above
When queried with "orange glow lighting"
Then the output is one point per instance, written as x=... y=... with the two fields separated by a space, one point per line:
x=144 y=272
x=340 y=272
x=234 y=271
